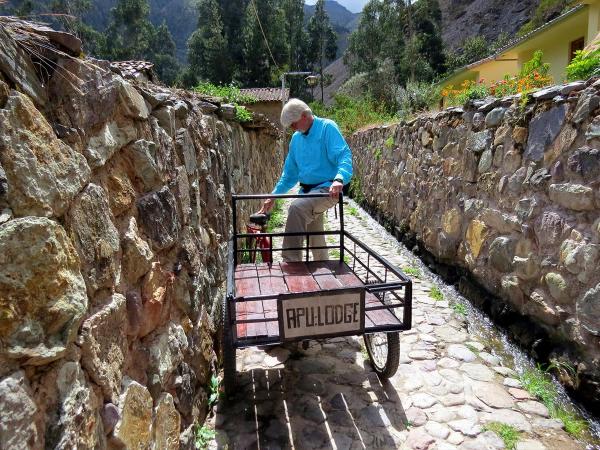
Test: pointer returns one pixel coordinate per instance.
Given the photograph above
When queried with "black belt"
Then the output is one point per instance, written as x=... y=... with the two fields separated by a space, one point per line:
x=309 y=187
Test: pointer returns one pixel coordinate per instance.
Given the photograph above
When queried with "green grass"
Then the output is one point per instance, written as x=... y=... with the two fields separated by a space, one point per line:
x=276 y=220
x=389 y=142
x=459 y=309
x=203 y=437
x=436 y=294
x=229 y=93
x=353 y=211
x=538 y=383
x=507 y=433
x=363 y=352
x=414 y=272
x=377 y=153
x=472 y=348
x=336 y=254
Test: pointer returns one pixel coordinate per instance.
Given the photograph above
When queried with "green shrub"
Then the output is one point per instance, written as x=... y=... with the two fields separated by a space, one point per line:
x=584 y=65
x=436 y=294
x=204 y=436
x=417 y=96
x=242 y=114
x=229 y=93
x=353 y=113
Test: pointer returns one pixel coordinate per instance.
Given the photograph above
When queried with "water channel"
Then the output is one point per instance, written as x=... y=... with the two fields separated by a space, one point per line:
x=480 y=325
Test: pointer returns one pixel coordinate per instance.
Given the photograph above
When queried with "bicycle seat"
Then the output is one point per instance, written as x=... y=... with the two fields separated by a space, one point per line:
x=259 y=219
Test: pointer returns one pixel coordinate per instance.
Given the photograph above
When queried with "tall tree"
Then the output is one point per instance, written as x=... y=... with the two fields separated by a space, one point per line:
x=163 y=55
x=265 y=46
x=232 y=17
x=207 y=46
x=129 y=33
x=322 y=41
x=294 y=31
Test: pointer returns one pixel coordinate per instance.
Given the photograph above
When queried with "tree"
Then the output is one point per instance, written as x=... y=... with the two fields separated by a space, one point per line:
x=265 y=46
x=69 y=14
x=129 y=33
x=163 y=55
x=322 y=41
x=207 y=46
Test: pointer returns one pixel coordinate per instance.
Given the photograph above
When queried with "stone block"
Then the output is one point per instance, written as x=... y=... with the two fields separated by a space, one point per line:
x=451 y=223
x=557 y=286
x=550 y=228
x=78 y=423
x=184 y=145
x=588 y=310
x=96 y=239
x=585 y=162
x=42 y=292
x=112 y=137
x=166 y=351
x=526 y=268
x=501 y=253
x=480 y=141
x=142 y=155
x=104 y=346
x=572 y=196
x=475 y=236
x=500 y=221
x=543 y=129
x=494 y=117
x=166 y=119
x=485 y=162
x=519 y=135
x=137 y=255
x=587 y=103
x=121 y=193
x=131 y=102
x=21 y=424
x=134 y=429
x=159 y=218
x=166 y=424
x=540 y=307
x=511 y=289
x=40 y=174
x=154 y=305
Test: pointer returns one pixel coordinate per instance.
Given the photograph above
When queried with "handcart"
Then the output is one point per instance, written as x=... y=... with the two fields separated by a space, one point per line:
x=269 y=303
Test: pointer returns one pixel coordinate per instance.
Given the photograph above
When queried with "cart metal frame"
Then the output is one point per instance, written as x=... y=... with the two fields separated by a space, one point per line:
x=386 y=288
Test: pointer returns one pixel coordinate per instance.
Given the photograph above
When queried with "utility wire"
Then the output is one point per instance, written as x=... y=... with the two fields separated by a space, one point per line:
x=263 y=33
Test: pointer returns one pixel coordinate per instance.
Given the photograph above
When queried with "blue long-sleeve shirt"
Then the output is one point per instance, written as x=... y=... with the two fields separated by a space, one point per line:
x=316 y=158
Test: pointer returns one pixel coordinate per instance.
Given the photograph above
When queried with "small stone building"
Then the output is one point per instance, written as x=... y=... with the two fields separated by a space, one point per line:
x=270 y=101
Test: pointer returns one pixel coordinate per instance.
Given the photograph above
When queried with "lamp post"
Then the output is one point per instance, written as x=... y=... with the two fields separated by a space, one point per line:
x=310 y=80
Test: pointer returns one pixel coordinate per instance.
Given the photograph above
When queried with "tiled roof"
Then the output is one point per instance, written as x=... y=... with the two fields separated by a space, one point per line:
x=267 y=94
x=132 y=69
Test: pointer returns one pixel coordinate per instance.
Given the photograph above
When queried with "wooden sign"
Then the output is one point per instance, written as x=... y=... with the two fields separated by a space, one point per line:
x=337 y=312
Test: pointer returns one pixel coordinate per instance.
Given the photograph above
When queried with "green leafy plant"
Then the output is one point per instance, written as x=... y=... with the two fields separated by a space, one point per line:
x=353 y=211
x=584 y=65
x=412 y=271
x=459 y=309
x=377 y=153
x=389 y=142
x=436 y=294
x=229 y=93
x=508 y=434
x=213 y=390
x=242 y=114
x=203 y=437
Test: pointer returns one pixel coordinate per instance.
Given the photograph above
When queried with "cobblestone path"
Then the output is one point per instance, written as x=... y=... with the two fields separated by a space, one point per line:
x=447 y=388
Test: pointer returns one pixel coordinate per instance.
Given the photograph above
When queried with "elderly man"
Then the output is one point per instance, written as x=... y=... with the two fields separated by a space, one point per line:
x=321 y=161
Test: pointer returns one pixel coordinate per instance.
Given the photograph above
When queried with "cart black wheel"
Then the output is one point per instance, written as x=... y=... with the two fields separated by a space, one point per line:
x=384 y=352
x=228 y=352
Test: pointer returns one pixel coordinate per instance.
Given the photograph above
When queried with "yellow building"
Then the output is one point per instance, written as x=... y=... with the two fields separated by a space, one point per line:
x=558 y=39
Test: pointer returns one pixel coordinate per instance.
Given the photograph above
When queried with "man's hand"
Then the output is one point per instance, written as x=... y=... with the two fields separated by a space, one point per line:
x=335 y=189
x=267 y=206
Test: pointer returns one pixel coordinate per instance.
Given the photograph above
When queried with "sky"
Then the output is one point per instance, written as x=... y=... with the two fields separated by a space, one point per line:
x=352 y=5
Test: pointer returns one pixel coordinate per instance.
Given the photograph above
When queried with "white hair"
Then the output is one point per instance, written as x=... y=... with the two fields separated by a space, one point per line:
x=292 y=111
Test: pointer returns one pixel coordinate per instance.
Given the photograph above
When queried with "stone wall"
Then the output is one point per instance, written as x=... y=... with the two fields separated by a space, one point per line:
x=114 y=217
x=507 y=196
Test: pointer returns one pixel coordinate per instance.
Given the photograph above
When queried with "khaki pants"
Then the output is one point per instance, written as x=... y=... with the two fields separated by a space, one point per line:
x=306 y=214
